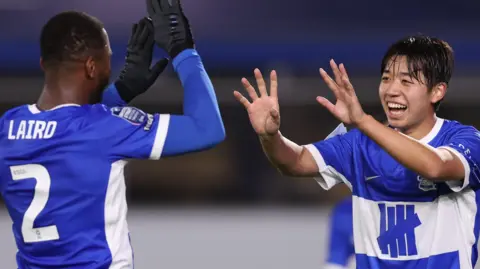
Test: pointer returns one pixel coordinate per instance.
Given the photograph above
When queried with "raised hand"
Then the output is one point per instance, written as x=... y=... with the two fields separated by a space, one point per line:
x=263 y=110
x=137 y=75
x=347 y=107
x=172 y=28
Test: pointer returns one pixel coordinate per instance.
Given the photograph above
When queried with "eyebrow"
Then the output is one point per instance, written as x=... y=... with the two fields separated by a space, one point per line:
x=386 y=71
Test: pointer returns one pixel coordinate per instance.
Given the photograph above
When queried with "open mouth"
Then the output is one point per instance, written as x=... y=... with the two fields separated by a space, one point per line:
x=396 y=109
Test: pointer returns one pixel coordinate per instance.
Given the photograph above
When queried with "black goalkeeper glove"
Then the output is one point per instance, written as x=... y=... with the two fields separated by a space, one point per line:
x=172 y=30
x=137 y=76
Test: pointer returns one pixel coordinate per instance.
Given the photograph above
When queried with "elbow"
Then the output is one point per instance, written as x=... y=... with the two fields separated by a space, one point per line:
x=217 y=130
x=218 y=134
x=434 y=170
x=288 y=170
x=213 y=134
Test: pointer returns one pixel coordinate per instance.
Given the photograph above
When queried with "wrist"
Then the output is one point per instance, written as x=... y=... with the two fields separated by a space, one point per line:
x=187 y=53
x=177 y=49
x=364 y=122
x=125 y=93
x=270 y=137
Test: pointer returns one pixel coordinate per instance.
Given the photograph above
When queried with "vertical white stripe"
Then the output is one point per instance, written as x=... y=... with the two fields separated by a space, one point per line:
x=160 y=136
x=116 y=228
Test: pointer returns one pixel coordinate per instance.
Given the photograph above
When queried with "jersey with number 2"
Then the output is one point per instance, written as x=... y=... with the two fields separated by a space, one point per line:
x=400 y=219
x=61 y=177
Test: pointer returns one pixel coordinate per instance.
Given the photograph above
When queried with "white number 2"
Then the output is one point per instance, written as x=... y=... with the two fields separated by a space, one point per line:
x=40 y=198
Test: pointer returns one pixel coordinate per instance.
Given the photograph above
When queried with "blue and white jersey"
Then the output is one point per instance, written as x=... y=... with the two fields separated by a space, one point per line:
x=341 y=252
x=61 y=176
x=400 y=219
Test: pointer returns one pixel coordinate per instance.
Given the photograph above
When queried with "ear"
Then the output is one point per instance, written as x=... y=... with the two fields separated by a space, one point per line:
x=90 y=68
x=438 y=92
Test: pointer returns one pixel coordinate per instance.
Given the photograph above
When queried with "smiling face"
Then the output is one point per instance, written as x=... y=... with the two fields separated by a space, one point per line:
x=415 y=73
x=405 y=97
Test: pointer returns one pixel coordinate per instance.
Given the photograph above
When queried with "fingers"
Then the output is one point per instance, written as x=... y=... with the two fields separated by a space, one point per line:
x=158 y=68
x=275 y=114
x=244 y=101
x=165 y=5
x=346 y=80
x=176 y=3
x=131 y=40
x=144 y=33
x=327 y=104
x=273 y=84
x=150 y=9
x=262 y=88
x=330 y=83
x=157 y=6
x=343 y=70
x=150 y=39
x=250 y=90
x=336 y=73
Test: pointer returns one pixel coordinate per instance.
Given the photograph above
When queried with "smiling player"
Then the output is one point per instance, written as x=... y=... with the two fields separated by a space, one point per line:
x=414 y=182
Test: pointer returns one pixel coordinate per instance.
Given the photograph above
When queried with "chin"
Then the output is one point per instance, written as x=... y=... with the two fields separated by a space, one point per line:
x=396 y=123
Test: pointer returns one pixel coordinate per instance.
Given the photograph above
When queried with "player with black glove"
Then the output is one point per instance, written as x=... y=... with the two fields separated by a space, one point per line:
x=172 y=30
x=137 y=75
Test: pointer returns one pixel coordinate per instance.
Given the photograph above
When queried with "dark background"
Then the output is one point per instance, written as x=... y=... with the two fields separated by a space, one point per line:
x=234 y=37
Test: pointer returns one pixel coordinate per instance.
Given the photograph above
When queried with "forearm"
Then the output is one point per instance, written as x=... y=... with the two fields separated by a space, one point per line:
x=201 y=125
x=282 y=153
x=412 y=154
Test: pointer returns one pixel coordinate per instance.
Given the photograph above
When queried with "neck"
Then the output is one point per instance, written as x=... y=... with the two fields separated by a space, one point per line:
x=61 y=88
x=421 y=129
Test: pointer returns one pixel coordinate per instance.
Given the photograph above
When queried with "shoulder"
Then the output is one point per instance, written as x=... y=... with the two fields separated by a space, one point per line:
x=15 y=112
x=455 y=129
x=453 y=125
x=120 y=116
x=12 y=114
x=350 y=135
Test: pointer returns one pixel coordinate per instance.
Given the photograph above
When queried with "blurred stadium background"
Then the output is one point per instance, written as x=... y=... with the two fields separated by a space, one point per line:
x=228 y=208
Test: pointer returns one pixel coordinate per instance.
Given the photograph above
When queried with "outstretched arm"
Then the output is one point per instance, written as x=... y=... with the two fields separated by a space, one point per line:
x=429 y=162
x=264 y=113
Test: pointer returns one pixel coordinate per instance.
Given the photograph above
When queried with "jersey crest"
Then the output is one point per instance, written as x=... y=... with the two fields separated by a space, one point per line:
x=133 y=115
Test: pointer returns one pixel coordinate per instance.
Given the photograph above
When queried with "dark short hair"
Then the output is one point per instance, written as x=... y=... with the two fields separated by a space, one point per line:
x=70 y=36
x=425 y=55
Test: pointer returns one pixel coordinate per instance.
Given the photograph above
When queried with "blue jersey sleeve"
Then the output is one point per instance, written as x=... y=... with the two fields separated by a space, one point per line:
x=201 y=126
x=334 y=157
x=111 y=97
x=340 y=246
x=465 y=144
x=141 y=135
x=130 y=133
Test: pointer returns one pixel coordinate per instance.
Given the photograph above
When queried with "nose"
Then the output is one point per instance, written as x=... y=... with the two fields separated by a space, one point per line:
x=393 y=89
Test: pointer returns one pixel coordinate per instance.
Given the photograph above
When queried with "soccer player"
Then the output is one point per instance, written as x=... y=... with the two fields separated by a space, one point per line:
x=414 y=182
x=62 y=159
x=340 y=252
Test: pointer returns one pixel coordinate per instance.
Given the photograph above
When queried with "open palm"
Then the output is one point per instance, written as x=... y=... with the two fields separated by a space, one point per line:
x=347 y=108
x=263 y=110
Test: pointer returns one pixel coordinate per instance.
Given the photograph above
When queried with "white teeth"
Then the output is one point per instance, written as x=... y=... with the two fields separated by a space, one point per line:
x=395 y=105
